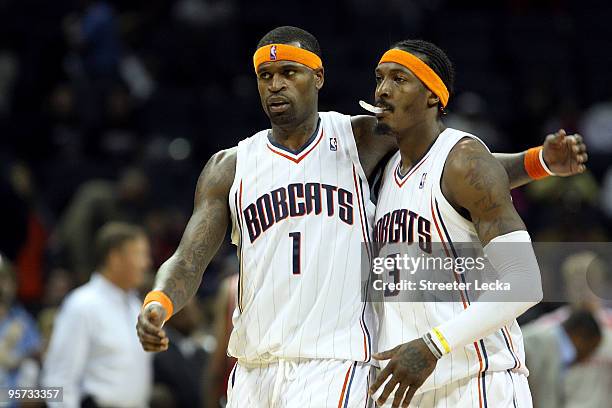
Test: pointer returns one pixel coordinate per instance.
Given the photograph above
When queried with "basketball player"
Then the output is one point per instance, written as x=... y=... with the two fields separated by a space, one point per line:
x=448 y=354
x=298 y=199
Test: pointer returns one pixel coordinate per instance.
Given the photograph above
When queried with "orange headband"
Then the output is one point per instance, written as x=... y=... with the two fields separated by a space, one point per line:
x=284 y=52
x=420 y=69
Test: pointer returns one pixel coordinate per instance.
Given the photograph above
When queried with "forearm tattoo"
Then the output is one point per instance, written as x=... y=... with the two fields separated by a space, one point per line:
x=180 y=276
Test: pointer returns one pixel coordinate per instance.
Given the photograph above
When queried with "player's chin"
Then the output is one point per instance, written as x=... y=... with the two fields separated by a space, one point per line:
x=282 y=118
x=382 y=128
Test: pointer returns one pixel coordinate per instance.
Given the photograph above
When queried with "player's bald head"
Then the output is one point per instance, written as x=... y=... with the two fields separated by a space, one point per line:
x=291 y=35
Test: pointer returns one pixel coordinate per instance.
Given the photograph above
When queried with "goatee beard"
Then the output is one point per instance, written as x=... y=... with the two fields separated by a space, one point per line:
x=382 y=129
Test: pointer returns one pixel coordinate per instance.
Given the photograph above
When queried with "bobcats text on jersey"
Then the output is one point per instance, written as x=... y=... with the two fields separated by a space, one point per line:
x=403 y=226
x=297 y=200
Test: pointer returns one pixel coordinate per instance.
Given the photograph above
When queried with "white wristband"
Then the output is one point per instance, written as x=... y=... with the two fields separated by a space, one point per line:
x=543 y=163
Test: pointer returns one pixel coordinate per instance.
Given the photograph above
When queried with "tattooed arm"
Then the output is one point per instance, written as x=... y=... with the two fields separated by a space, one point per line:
x=472 y=181
x=564 y=155
x=180 y=276
x=513 y=163
x=481 y=187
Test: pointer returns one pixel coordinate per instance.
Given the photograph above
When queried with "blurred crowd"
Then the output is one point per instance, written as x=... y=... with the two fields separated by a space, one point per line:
x=109 y=109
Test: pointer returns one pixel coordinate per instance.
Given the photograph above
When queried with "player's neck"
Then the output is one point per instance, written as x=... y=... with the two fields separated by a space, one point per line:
x=415 y=142
x=295 y=135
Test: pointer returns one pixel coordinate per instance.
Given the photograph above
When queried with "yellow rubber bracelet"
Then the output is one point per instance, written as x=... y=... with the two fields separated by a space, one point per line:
x=442 y=339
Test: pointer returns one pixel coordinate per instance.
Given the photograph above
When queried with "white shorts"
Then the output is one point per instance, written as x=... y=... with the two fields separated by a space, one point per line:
x=500 y=389
x=307 y=383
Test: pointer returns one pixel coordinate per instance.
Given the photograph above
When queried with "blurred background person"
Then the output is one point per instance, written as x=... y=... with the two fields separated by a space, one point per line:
x=93 y=352
x=96 y=203
x=19 y=337
x=551 y=350
x=586 y=383
x=29 y=263
x=180 y=369
x=14 y=214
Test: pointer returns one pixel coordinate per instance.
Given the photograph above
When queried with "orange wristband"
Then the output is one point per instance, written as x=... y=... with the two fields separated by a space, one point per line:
x=163 y=299
x=533 y=163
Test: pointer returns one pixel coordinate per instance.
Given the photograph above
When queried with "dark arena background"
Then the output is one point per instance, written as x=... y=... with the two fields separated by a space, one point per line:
x=109 y=110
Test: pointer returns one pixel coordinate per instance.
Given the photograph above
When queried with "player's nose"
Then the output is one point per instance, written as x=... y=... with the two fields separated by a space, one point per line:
x=277 y=83
x=383 y=90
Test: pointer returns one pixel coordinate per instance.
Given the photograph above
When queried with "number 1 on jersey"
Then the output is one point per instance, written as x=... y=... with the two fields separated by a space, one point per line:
x=296 y=237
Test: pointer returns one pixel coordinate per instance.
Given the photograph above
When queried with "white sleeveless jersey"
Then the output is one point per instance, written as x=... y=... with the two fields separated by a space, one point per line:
x=414 y=204
x=299 y=222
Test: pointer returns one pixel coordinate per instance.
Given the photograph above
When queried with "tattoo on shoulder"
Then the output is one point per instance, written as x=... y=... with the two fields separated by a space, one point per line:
x=218 y=173
x=486 y=201
x=481 y=180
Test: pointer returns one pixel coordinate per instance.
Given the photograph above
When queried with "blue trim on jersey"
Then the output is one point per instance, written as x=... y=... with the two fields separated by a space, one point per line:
x=484 y=389
x=301 y=149
x=365 y=213
x=484 y=351
x=513 y=389
x=239 y=251
x=366 y=329
x=509 y=348
x=234 y=375
x=363 y=216
x=369 y=244
x=450 y=242
x=348 y=390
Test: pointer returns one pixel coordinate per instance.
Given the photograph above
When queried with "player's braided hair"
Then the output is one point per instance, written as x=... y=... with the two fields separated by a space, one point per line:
x=289 y=34
x=434 y=57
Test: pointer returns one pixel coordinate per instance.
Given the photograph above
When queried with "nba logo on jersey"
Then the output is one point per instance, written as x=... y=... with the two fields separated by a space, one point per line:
x=422 y=183
x=273 y=53
x=333 y=144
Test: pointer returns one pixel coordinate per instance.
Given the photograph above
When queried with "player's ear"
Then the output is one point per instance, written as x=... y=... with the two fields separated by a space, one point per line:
x=432 y=99
x=319 y=78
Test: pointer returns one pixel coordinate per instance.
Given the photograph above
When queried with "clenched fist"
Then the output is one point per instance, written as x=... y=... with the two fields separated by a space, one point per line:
x=149 y=327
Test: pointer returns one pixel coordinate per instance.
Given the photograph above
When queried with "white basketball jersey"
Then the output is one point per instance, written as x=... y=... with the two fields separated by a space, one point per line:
x=414 y=204
x=300 y=219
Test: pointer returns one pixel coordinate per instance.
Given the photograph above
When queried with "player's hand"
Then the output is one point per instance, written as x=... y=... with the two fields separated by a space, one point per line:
x=411 y=363
x=149 y=328
x=565 y=155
